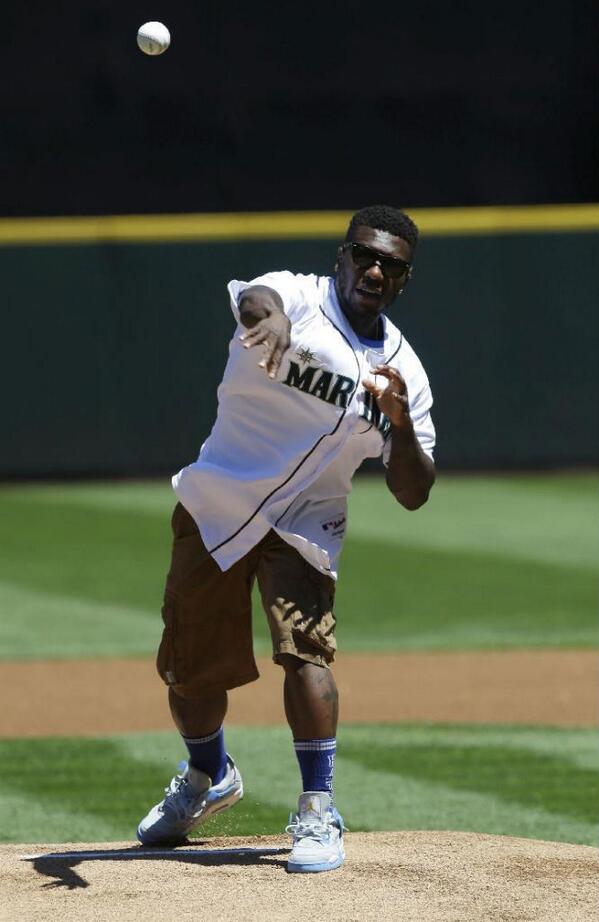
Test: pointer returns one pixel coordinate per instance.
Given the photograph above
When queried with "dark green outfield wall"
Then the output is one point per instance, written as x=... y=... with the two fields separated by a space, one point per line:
x=112 y=353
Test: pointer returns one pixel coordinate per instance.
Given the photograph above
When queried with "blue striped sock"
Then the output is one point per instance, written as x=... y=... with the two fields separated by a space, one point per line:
x=207 y=753
x=317 y=763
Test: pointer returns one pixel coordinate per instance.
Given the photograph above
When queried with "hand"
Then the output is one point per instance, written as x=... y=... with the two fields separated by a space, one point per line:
x=273 y=333
x=392 y=398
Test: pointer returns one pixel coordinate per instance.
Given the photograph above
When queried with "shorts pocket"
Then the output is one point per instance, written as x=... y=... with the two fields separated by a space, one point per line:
x=313 y=618
x=320 y=635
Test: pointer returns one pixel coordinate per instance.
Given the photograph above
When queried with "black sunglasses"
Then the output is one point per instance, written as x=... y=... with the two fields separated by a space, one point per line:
x=391 y=266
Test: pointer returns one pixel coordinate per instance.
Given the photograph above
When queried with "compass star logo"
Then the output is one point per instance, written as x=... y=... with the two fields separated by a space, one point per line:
x=305 y=356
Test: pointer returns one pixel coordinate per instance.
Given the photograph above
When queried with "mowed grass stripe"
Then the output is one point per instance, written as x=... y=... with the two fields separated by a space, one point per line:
x=406 y=802
x=460 y=600
x=526 y=779
x=100 y=554
x=29 y=818
x=440 y=601
x=550 y=519
x=544 y=517
x=388 y=777
x=74 y=627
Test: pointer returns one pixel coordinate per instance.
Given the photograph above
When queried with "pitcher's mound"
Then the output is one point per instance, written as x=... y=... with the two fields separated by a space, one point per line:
x=428 y=876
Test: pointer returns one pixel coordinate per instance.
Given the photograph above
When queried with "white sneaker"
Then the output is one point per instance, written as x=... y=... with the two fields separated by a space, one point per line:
x=190 y=799
x=317 y=831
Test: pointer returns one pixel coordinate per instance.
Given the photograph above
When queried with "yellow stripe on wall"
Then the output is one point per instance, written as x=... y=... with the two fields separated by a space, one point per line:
x=297 y=225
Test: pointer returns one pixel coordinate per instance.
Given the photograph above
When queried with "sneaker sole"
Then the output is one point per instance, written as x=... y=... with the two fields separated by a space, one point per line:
x=315 y=868
x=223 y=803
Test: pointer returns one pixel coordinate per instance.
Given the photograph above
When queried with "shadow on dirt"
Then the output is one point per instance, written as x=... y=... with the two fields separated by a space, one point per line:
x=59 y=865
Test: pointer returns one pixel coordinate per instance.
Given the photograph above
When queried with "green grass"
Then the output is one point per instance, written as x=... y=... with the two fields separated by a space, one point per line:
x=489 y=562
x=536 y=782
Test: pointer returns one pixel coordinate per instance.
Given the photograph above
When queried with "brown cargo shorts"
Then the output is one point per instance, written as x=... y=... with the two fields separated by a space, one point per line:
x=207 y=638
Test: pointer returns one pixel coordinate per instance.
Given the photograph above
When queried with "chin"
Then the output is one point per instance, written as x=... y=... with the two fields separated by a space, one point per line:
x=370 y=307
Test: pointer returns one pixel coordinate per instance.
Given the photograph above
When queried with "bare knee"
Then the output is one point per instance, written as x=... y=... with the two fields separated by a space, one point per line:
x=196 y=717
x=294 y=666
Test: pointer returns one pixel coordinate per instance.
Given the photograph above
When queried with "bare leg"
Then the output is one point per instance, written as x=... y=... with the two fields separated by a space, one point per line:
x=198 y=717
x=311 y=700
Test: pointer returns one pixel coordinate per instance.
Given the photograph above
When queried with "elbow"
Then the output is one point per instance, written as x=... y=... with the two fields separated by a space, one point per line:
x=415 y=493
x=414 y=502
x=414 y=498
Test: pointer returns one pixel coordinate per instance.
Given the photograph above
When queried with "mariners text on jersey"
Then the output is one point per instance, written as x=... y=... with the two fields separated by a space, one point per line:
x=336 y=389
x=326 y=385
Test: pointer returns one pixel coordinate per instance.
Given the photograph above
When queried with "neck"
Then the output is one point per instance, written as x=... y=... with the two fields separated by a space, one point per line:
x=368 y=325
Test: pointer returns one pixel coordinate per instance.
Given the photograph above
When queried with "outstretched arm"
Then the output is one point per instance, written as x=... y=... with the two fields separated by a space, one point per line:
x=410 y=472
x=261 y=312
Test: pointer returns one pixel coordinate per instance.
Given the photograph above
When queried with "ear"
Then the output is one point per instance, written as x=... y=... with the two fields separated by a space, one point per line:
x=408 y=277
x=339 y=255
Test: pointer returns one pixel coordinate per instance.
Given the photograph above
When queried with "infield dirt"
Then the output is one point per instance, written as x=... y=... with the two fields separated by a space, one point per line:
x=551 y=687
x=399 y=876
x=388 y=876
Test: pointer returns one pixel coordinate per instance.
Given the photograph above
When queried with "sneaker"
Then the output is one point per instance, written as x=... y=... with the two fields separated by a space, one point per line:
x=190 y=799
x=317 y=831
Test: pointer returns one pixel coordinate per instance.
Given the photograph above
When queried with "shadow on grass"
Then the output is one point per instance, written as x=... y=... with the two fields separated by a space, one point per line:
x=59 y=865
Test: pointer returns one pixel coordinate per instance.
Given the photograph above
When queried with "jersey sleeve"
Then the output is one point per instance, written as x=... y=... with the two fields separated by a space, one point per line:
x=420 y=407
x=290 y=288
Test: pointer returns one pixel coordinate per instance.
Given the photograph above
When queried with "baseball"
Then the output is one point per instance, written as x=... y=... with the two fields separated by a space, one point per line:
x=153 y=38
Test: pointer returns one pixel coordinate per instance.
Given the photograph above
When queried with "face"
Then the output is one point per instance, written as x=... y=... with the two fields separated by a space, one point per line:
x=364 y=293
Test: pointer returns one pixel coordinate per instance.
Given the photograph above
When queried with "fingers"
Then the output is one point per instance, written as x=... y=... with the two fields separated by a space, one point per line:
x=392 y=397
x=373 y=388
x=273 y=362
x=275 y=345
x=393 y=376
x=273 y=353
x=388 y=391
x=255 y=336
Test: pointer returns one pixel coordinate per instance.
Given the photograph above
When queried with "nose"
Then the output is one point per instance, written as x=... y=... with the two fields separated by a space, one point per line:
x=375 y=272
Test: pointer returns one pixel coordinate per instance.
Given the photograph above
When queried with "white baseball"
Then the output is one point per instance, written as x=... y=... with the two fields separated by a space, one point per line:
x=153 y=37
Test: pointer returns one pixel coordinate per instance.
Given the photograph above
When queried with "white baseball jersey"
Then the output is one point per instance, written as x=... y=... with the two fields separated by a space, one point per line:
x=282 y=452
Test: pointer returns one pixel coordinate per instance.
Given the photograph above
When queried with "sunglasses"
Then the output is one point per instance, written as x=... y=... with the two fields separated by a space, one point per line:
x=391 y=266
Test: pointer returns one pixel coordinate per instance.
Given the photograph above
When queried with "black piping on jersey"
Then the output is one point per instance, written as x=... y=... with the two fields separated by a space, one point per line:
x=306 y=456
x=397 y=350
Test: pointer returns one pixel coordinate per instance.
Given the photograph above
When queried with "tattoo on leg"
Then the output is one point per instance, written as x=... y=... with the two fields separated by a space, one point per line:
x=330 y=696
x=311 y=701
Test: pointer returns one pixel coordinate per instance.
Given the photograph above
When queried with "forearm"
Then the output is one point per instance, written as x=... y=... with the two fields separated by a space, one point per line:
x=410 y=472
x=257 y=303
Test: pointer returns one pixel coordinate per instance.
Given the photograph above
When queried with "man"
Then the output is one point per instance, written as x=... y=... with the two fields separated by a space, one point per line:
x=334 y=382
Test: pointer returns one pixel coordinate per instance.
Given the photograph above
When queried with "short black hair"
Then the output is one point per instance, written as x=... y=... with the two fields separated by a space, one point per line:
x=385 y=218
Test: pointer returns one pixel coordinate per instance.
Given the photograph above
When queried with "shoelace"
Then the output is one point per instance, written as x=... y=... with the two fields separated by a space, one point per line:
x=316 y=831
x=180 y=797
x=175 y=783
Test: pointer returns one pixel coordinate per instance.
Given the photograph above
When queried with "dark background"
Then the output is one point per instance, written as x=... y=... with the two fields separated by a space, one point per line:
x=263 y=106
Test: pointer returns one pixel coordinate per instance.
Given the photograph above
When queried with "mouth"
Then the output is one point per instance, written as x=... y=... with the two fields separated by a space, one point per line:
x=370 y=295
